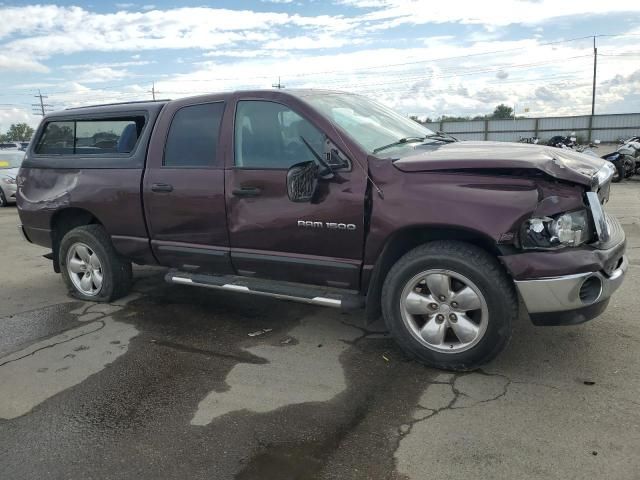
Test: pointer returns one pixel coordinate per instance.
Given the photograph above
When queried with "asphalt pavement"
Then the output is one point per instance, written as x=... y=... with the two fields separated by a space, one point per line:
x=169 y=383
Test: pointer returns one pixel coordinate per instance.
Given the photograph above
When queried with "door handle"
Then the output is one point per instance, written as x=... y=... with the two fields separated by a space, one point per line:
x=247 y=192
x=161 y=187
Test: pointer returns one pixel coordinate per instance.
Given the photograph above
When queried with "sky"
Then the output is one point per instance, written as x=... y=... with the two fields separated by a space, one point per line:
x=420 y=57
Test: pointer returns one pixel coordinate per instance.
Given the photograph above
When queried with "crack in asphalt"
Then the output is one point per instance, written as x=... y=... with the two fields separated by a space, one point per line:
x=100 y=321
x=78 y=312
x=408 y=426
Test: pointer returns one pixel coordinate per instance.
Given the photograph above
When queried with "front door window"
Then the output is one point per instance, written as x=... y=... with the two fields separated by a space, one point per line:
x=269 y=135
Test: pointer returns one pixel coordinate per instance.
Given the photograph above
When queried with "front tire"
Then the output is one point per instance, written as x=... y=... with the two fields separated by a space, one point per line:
x=90 y=266
x=3 y=199
x=449 y=304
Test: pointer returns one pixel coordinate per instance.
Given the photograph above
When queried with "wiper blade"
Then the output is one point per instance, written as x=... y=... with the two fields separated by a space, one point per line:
x=441 y=136
x=399 y=142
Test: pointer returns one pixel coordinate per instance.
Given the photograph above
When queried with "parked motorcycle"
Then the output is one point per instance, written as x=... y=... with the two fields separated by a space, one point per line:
x=571 y=143
x=532 y=140
x=561 y=141
x=626 y=159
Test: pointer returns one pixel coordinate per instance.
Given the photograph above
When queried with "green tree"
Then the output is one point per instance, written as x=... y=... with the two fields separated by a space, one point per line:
x=19 y=132
x=3 y=138
x=502 y=112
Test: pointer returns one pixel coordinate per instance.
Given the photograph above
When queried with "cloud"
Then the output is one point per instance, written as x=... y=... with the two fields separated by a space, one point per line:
x=16 y=115
x=45 y=30
x=86 y=66
x=351 y=50
x=441 y=78
x=16 y=63
x=490 y=14
x=102 y=74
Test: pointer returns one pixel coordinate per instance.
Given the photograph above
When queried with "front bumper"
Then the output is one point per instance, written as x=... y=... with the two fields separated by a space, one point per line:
x=570 y=299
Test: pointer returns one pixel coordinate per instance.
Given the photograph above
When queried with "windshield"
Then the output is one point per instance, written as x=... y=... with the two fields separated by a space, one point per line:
x=370 y=124
x=10 y=159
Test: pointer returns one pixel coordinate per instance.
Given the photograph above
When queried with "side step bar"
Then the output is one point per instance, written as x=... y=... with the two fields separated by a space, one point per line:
x=296 y=292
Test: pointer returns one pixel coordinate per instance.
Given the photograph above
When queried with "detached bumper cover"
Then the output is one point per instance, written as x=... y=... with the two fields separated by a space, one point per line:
x=560 y=294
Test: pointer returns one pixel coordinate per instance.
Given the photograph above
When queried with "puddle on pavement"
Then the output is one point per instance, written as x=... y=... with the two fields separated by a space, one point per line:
x=291 y=462
x=307 y=370
x=45 y=368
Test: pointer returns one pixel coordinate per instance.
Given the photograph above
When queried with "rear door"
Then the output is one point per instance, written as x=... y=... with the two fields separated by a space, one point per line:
x=184 y=188
x=318 y=242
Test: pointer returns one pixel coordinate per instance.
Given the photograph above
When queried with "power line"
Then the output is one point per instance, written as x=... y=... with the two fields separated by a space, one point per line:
x=373 y=67
x=345 y=83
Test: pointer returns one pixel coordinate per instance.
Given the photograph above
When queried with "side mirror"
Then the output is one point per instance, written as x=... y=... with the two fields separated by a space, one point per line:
x=302 y=180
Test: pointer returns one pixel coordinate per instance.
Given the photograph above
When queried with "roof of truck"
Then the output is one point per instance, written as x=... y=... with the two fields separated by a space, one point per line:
x=157 y=105
x=139 y=102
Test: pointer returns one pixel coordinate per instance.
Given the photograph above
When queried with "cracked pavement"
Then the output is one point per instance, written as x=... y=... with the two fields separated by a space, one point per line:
x=167 y=383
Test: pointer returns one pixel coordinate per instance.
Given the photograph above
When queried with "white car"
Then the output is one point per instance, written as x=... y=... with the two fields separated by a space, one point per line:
x=10 y=161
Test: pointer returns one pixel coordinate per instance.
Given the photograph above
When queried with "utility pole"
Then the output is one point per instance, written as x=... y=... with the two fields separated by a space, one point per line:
x=278 y=85
x=153 y=91
x=595 y=69
x=43 y=107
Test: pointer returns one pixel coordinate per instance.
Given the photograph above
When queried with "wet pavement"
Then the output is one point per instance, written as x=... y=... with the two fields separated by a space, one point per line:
x=168 y=383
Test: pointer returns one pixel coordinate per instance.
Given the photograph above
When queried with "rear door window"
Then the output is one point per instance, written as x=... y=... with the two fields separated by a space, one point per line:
x=91 y=137
x=193 y=136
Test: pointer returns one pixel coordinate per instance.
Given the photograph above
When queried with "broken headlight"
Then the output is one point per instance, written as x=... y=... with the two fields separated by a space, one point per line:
x=565 y=230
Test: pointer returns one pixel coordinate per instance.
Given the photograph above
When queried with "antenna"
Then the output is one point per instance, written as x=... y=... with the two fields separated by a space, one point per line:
x=278 y=85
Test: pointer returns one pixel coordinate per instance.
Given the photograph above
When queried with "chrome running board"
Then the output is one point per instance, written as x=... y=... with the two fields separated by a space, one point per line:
x=282 y=290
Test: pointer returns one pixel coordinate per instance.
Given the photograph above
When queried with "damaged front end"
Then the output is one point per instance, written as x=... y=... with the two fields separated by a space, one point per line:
x=550 y=228
x=574 y=260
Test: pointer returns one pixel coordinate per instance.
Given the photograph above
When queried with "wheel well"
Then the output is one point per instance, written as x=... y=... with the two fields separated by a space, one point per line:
x=62 y=222
x=407 y=239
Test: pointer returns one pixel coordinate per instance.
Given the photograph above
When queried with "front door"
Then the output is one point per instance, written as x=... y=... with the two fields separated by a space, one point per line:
x=184 y=189
x=319 y=242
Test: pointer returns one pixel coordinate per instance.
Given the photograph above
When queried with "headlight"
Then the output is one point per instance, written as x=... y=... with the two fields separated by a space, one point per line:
x=8 y=180
x=565 y=230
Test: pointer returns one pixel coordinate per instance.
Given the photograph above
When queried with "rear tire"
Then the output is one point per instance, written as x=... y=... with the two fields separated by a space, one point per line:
x=422 y=313
x=3 y=199
x=90 y=266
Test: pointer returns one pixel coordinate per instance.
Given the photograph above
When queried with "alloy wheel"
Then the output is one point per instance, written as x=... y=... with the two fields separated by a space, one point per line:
x=85 y=269
x=444 y=310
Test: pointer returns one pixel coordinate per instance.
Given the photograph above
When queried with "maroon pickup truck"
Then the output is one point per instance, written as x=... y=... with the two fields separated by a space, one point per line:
x=331 y=199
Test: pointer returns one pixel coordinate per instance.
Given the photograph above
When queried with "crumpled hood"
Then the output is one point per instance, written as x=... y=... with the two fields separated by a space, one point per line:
x=559 y=163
